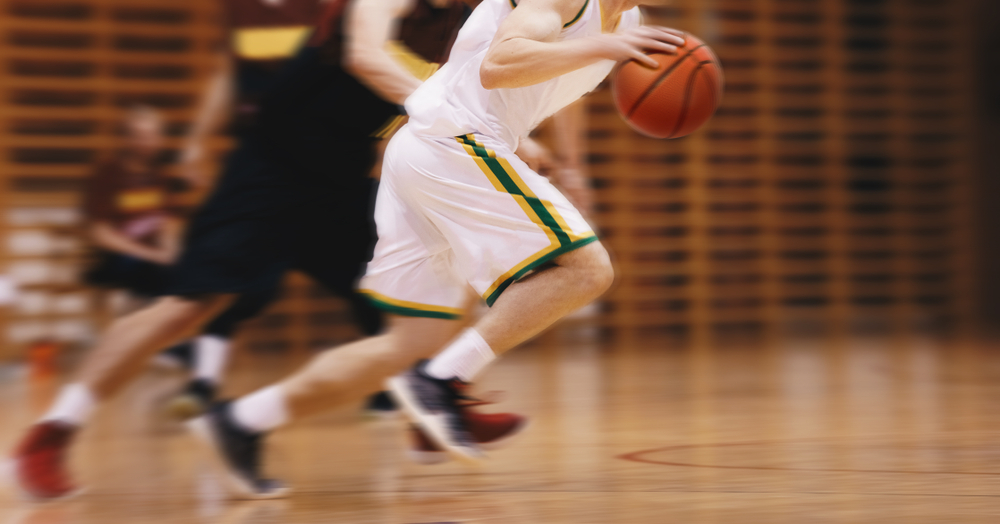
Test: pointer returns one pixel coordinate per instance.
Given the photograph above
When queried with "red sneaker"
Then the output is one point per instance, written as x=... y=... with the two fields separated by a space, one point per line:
x=490 y=430
x=39 y=464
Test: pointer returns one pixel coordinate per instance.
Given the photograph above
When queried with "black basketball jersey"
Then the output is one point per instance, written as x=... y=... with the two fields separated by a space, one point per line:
x=263 y=35
x=317 y=97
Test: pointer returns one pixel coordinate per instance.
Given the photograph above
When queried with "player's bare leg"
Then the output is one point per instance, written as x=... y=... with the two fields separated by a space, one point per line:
x=536 y=302
x=351 y=372
x=233 y=432
x=40 y=459
x=338 y=376
x=131 y=340
x=525 y=309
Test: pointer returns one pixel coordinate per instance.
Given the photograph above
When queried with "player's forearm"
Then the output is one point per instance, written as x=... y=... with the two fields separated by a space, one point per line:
x=379 y=72
x=169 y=238
x=105 y=236
x=213 y=106
x=369 y=26
x=522 y=62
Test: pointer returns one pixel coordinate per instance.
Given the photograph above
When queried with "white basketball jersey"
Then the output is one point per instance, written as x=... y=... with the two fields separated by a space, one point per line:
x=453 y=102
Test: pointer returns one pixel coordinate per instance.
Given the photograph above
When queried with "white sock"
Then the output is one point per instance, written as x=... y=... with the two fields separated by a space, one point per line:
x=262 y=410
x=73 y=406
x=210 y=357
x=464 y=358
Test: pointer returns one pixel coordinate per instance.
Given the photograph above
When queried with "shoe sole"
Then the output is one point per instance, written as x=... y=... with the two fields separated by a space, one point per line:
x=8 y=471
x=380 y=414
x=237 y=485
x=430 y=424
x=430 y=458
x=184 y=407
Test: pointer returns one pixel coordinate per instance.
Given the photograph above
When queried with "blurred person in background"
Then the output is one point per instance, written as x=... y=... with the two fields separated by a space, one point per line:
x=136 y=233
x=130 y=221
x=294 y=194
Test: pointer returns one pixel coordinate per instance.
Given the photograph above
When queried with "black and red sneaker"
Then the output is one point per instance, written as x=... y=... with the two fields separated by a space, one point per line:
x=380 y=406
x=490 y=430
x=434 y=405
x=39 y=462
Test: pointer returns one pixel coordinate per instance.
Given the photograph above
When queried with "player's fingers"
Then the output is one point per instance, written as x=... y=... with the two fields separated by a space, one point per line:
x=670 y=38
x=644 y=59
x=671 y=30
x=665 y=34
x=656 y=45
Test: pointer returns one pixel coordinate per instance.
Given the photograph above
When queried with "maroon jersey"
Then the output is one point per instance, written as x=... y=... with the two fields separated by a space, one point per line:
x=263 y=35
x=134 y=202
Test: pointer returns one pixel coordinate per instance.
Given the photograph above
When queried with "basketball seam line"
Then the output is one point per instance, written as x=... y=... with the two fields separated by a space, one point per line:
x=687 y=99
x=649 y=90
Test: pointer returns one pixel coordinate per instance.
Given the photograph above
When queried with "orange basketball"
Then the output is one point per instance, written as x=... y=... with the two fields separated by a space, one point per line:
x=674 y=99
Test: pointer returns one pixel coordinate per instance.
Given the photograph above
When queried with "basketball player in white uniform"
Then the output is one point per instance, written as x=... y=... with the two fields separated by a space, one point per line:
x=456 y=208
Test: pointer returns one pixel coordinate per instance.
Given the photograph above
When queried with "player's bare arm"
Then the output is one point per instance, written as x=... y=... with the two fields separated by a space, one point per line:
x=105 y=235
x=525 y=51
x=213 y=108
x=170 y=237
x=370 y=25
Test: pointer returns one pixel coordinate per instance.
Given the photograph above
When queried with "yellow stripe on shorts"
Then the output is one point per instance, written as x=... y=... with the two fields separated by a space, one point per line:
x=506 y=180
x=410 y=309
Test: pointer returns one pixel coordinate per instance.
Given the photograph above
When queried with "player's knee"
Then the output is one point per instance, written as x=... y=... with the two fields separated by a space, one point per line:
x=595 y=271
x=193 y=306
x=603 y=276
x=184 y=315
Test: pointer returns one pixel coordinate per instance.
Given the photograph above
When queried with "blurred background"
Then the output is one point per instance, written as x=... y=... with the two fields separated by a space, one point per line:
x=845 y=185
x=841 y=200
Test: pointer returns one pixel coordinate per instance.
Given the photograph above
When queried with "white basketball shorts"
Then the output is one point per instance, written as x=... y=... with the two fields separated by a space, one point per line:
x=458 y=212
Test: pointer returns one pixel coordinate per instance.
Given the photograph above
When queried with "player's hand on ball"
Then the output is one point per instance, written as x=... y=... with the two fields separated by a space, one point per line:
x=634 y=43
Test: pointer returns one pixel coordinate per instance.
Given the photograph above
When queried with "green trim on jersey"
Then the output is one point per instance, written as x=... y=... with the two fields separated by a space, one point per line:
x=575 y=19
x=533 y=264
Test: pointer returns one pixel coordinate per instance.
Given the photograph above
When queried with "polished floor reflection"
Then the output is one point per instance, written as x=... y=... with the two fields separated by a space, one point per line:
x=623 y=431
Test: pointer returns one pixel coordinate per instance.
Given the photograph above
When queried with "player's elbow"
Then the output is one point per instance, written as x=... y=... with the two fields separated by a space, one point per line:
x=491 y=75
x=353 y=63
x=359 y=62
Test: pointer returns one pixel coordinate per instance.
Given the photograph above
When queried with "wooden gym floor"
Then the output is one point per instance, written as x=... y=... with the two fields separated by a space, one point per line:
x=627 y=431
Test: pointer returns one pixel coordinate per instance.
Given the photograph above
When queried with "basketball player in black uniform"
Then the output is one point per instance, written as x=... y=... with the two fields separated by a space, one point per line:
x=263 y=36
x=294 y=195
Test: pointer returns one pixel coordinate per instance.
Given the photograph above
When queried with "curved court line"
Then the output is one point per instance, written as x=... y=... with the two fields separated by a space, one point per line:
x=637 y=456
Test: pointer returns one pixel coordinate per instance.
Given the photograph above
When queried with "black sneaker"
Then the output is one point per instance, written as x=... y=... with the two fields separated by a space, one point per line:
x=193 y=401
x=236 y=452
x=381 y=405
x=433 y=404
